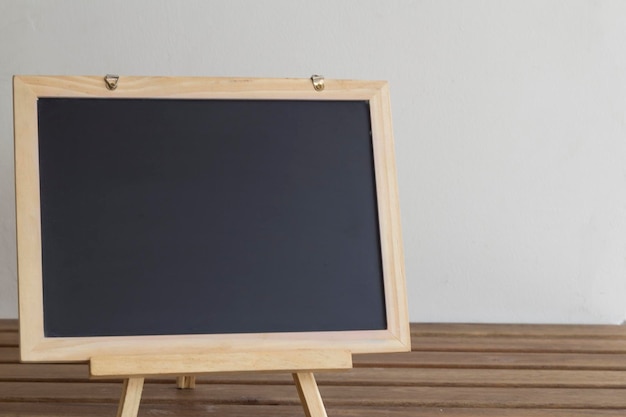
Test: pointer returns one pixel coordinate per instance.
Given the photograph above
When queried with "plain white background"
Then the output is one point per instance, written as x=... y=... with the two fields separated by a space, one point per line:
x=509 y=118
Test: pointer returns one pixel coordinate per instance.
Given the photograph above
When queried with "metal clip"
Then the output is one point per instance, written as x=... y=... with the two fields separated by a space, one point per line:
x=318 y=82
x=111 y=81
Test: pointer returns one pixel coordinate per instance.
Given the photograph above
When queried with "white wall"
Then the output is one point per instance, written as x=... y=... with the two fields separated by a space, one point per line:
x=509 y=116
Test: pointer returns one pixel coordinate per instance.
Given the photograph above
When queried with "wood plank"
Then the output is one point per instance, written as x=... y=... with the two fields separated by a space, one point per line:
x=441 y=378
x=519 y=330
x=495 y=360
x=515 y=344
x=333 y=395
x=9 y=339
x=363 y=376
x=456 y=383
x=9 y=355
x=416 y=396
x=44 y=372
x=8 y=325
x=470 y=360
x=195 y=410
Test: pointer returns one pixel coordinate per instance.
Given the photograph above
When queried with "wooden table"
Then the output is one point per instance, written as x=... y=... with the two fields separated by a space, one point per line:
x=456 y=370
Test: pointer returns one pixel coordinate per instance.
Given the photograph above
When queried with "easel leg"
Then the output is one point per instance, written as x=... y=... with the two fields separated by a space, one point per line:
x=309 y=394
x=186 y=382
x=131 y=397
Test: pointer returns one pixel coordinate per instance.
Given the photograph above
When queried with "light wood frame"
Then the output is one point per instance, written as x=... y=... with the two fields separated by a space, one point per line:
x=34 y=346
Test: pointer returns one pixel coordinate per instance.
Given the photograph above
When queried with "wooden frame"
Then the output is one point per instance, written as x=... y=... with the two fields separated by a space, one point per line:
x=34 y=346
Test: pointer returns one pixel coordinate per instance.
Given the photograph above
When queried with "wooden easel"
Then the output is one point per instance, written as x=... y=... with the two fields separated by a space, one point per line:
x=301 y=363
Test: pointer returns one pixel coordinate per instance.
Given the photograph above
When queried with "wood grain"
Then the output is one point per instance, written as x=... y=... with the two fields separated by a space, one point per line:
x=9 y=339
x=497 y=360
x=309 y=394
x=130 y=397
x=333 y=395
x=221 y=410
x=297 y=360
x=440 y=377
x=569 y=331
x=517 y=344
x=8 y=325
x=35 y=346
x=527 y=382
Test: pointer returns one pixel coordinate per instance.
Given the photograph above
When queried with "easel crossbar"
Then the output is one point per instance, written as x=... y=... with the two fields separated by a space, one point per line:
x=301 y=360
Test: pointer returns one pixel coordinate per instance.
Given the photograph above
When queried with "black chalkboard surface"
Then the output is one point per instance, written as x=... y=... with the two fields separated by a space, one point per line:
x=208 y=216
x=180 y=214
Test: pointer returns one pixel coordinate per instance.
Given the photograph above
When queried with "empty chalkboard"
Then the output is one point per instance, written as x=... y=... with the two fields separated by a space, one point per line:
x=208 y=216
x=182 y=215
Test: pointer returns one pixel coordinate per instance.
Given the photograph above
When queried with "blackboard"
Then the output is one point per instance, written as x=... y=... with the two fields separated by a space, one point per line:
x=166 y=216
x=208 y=216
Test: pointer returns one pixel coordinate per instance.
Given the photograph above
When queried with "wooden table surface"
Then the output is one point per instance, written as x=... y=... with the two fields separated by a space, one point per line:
x=461 y=370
